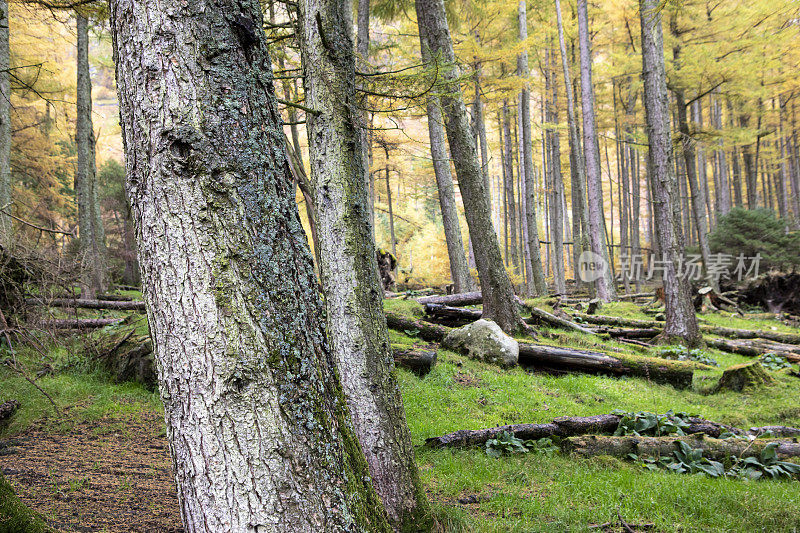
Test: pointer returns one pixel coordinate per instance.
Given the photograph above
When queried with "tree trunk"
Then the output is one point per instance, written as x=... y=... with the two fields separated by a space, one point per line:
x=530 y=220
x=349 y=274
x=5 y=127
x=496 y=287
x=459 y=269
x=258 y=425
x=681 y=322
x=696 y=191
x=580 y=233
x=362 y=49
x=89 y=304
x=508 y=179
x=597 y=237
x=90 y=225
x=557 y=190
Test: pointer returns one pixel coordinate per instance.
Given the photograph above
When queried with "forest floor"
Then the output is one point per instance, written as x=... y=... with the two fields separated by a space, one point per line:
x=104 y=465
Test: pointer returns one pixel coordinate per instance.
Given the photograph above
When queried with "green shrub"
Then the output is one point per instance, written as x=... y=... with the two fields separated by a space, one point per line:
x=757 y=231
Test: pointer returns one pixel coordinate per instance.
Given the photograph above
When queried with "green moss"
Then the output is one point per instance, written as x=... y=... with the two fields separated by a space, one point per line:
x=15 y=516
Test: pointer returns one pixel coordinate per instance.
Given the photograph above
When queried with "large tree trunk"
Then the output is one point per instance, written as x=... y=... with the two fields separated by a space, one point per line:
x=597 y=232
x=349 y=274
x=5 y=127
x=495 y=285
x=681 y=322
x=527 y=181
x=362 y=49
x=459 y=269
x=256 y=418
x=90 y=224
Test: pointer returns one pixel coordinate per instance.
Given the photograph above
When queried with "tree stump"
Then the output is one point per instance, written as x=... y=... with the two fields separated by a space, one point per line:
x=739 y=378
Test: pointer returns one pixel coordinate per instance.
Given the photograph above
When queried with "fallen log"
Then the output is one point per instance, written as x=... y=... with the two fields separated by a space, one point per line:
x=719 y=449
x=785 y=338
x=113 y=305
x=456 y=316
x=80 y=323
x=644 y=333
x=455 y=300
x=618 y=322
x=755 y=348
x=584 y=425
x=418 y=361
x=552 y=358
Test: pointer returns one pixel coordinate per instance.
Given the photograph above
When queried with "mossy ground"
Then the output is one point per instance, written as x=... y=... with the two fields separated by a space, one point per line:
x=516 y=493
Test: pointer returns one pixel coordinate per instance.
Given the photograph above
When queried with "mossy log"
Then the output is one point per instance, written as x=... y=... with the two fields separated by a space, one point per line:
x=556 y=358
x=454 y=300
x=718 y=449
x=419 y=361
x=112 y=305
x=563 y=427
x=742 y=377
x=455 y=316
x=618 y=322
x=755 y=348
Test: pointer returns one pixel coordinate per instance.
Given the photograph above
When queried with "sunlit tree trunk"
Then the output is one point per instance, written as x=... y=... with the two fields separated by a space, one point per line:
x=557 y=187
x=597 y=236
x=508 y=177
x=681 y=322
x=256 y=418
x=498 y=296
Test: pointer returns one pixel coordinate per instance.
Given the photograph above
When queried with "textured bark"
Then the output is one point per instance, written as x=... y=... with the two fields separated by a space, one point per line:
x=681 y=322
x=5 y=127
x=591 y=151
x=349 y=274
x=362 y=48
x=90 y=224
x=467 y=298
x=256 y=418
x=420 y=362
x=459 y=269
x=496 y=287
x=722 y=187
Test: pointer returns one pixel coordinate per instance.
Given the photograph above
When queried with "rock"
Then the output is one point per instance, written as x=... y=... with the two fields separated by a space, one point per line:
x=740 y=377
x=483 y=340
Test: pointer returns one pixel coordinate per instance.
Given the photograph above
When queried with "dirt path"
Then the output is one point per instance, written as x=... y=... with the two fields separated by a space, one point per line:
x=112 y=475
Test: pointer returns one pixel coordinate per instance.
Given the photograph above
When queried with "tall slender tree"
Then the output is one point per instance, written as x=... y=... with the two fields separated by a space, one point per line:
x=257 y=422
x=591 y=151
x=526 y=156
x=681 y=322
x=5 y=126
x=90 y=222
x=498 y=296
x=349 y=273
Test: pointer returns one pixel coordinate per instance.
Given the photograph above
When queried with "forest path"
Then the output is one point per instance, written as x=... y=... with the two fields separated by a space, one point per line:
x=110 y=475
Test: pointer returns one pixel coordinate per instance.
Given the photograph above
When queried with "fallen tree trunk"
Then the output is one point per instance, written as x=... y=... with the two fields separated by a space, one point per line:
x=112 y=305
x=644 y=333
x=618 y=322
x=418 y=361
x=755 y=348
x=455 y=300
x=552 y=358
x=540 y=315
x=719 y=449
x=81 y=323
x=589 y=425
x=455 y=317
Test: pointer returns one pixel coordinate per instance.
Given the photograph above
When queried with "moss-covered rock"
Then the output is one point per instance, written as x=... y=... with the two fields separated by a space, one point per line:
x=742 y=377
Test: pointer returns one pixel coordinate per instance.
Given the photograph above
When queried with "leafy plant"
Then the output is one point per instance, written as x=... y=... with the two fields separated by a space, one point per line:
x=681 y=353
x=765 y=465
x=647 y=423
x=505 y=443
x=772 y=361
